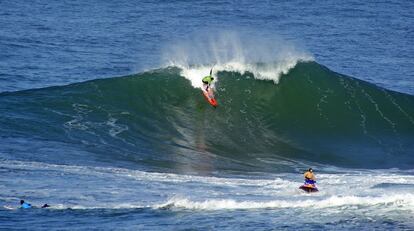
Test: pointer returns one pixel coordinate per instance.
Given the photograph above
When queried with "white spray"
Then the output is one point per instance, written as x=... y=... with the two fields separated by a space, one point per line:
x=266 y=58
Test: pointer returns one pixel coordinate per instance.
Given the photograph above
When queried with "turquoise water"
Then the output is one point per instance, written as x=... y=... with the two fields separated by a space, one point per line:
x=102 y=116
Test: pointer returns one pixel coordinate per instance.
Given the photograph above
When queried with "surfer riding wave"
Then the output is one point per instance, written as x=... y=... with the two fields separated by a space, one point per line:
x=207 y=80
x=207 y=90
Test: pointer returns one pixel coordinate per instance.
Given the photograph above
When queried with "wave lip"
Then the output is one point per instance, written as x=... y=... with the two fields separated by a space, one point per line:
x=242 y=52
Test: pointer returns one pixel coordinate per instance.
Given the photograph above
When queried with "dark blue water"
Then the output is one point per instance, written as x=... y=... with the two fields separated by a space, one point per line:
x=323 y=85
x=47 y=43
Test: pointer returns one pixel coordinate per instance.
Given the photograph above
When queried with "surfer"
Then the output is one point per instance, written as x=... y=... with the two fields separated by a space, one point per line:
x=207 y=81
x=309 y=177
x=25 y=205
x=207 y=90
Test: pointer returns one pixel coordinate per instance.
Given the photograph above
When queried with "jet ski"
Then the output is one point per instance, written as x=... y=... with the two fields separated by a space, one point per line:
x=309 y=186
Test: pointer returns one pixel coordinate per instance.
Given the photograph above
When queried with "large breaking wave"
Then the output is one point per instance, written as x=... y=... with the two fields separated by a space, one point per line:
x=158 y=119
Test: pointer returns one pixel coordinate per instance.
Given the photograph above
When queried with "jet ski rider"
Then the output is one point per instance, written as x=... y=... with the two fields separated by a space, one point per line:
x=309 y=177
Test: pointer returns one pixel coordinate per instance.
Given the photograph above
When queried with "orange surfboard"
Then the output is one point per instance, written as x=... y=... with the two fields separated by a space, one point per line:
x=210 y=97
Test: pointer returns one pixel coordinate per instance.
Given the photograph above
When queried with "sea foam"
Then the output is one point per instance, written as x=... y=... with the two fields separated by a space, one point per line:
x=398 y=200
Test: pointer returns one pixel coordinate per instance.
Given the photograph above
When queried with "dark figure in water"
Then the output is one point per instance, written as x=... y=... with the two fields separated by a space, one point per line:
x=25 y=205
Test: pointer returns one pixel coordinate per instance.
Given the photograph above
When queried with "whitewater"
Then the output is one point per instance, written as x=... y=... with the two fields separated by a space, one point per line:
x=241 y=52
x=344 y=194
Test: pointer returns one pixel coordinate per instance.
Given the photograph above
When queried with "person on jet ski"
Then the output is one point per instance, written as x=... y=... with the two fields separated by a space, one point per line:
x=309 y=177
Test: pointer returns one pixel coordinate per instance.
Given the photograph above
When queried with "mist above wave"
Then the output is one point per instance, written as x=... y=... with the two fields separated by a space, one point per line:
x=266 y=57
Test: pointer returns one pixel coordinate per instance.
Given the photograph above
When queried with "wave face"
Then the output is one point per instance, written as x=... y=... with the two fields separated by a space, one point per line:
x=158 y=119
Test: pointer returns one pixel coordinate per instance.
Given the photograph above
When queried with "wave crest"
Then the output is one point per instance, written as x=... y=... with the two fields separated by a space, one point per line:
x=266 y=58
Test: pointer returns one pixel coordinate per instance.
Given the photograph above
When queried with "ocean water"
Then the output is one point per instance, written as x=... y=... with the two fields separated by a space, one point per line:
x=102 y=116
